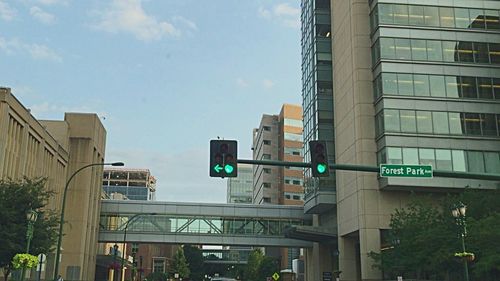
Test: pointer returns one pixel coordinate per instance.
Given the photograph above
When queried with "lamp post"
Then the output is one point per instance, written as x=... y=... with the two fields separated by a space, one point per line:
x=31 y=217
x=61 y=220
x=115 y=253
x=459 y=213
x=125 y=237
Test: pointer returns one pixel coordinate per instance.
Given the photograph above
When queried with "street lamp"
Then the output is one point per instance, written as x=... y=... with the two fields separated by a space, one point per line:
x=61 y=221
x=115 y=252
x=459 y=214
x=31 y=217
x=125 y=237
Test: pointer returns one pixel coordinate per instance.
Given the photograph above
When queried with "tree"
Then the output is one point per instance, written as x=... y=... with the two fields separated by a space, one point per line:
x=194 y=258
x=16 y=199
x=179 y=264
x=251 y=272
x=267 y=267
x=424 y=237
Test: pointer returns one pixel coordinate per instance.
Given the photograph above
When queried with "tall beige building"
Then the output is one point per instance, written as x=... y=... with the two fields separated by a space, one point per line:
x=56 y=149
x=279 y=137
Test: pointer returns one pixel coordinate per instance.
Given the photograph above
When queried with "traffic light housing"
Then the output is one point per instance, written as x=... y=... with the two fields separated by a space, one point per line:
x=223 y=158
x=319 y=159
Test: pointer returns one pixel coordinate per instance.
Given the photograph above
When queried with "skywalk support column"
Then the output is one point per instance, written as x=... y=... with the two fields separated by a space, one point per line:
x=318 y=258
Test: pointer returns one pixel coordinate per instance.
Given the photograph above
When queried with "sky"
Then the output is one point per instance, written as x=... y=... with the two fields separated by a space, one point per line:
x=165 y=77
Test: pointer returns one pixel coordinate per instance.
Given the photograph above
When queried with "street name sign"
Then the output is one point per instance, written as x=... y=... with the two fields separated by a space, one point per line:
x=406 y=171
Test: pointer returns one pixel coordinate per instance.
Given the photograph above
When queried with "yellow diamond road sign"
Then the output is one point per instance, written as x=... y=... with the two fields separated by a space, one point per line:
x=276 y=276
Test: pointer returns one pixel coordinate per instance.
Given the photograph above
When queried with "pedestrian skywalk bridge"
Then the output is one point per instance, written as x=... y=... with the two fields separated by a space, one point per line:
x=200 y=223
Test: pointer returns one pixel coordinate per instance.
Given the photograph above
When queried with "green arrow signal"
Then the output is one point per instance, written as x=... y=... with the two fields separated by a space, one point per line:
x=217 y=168
x=229 y=169
x=321 y=168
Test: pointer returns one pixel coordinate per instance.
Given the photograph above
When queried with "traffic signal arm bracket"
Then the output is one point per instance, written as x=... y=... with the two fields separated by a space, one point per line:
x=372 y=169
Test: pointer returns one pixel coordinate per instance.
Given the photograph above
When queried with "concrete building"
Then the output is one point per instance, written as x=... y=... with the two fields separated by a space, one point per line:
x=240 y=188
x=279 y=137
x=134 y=184
x=140 y=259
x=56 y=149
x=414 y=82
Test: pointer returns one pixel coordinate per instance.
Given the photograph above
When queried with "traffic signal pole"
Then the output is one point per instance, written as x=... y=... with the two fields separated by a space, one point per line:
x=372 y=169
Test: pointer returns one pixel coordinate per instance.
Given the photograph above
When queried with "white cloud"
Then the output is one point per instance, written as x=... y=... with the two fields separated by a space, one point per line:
x=6 y=12
x=242 y=82
x=186 y=22
x=41 y=15
x=52 y=2
x=264 y=13
x=267 y=83
x=285 y=9
x=128 y=16
x=283 y=13
x=47 y=110
x=43 y=52
x=36 y=51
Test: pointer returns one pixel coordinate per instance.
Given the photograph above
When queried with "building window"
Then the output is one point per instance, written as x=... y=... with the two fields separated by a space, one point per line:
x=266 y=185
x=266 y=170
x=293 y=137
x=436 y=50
x=294 y=122
x=266 y=128
x=267 y=142
x=444 y=159
x=432 y=16
x=440 y=123
x=158 y=265
x=266 y=156
x=457 y=87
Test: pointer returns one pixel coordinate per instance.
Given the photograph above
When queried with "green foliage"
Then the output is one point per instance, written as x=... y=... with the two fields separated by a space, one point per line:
x=259 y=266
x=251 y=272
x=194 y=258
x=179 y=264
x=424 y=238
x=267 y=267
x=24 y=261
x=157 y=276
x=16 y=199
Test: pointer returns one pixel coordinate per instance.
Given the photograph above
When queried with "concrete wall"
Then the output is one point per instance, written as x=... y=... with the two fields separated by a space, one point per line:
x=56 y=149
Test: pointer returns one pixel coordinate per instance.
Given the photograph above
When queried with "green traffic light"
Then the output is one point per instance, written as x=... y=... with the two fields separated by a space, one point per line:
x=228 y=168
x=321 y=168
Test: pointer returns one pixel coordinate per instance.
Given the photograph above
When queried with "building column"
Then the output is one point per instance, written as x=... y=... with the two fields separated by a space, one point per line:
x=369 y=242
x=348 y=259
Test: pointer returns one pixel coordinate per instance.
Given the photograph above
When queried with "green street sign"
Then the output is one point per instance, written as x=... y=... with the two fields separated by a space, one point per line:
x=217 y=168
x=276 y=276
x=408 y=171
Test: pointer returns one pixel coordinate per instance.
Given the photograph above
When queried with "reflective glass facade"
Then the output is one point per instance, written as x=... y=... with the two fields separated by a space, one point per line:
x=249 y=226
x=317 y=86
x=240 y=189
x=436 y=84
x=134 y=184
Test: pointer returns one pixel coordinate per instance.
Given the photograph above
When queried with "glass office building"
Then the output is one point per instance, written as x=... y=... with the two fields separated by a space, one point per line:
x=436 y=76
x=410 y=82
x=317 y=97
x=132 y=184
